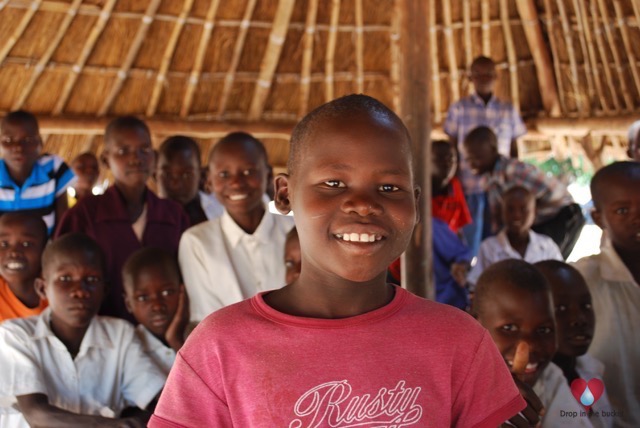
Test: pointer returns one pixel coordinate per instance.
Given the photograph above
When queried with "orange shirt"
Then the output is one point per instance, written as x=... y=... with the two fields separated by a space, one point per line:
x=12 y=307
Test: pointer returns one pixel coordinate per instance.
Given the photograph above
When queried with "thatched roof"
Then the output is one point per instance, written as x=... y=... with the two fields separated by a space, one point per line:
x=204 y=67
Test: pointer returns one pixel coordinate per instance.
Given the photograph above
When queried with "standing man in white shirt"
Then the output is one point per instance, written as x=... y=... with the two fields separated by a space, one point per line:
x=234 y=256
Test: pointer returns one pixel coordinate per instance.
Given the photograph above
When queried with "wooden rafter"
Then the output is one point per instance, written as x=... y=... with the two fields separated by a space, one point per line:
x=359 y=82
x=592 y=56
x=435 y=66
x=486 y=27
x=145 y=23
x=235 y=58
x=307 y=56
x=585 y=54
x=329 y=60
x=196 y=71
x=166 y=58
x=466 y=22
x=624 y=31
x=573 y=66
x=271 y=57
x=96 y=31
x=511 y=54
x=542 y=60
x=554 y=52
x=603 y=56
x=396 y=57
x=616 y=56
x=636 y=10
x=17 y=32
x=454 y=81
x=46 y=56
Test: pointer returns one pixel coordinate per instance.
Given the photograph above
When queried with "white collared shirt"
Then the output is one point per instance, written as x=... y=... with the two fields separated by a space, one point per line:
x=588 y=368
x=110 y=372
x=222 y=264
x=497 y=248
x=616 y=341
x=162 y=355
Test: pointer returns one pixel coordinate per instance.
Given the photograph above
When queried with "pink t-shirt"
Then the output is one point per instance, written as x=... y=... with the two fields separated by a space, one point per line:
x=411 y=363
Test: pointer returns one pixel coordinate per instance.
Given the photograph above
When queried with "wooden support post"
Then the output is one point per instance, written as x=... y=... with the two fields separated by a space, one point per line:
x=417 y=261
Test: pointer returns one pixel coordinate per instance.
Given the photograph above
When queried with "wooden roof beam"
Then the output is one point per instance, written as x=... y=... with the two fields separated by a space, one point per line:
x=511 y=54
x=624 y=31
x=307 y=56
x=19 y=30
x=359 y=82
x=454 y=83
x=329 y=60
x=271 y=57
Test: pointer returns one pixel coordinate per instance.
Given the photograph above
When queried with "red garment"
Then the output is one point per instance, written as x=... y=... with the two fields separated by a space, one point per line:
x=105 y=219
x=412 y=363
x=452 y=207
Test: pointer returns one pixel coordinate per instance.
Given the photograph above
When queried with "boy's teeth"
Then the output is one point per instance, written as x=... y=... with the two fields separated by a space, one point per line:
x=15 y=265
x=358 y=237
x=237 y=197
x=532 y=366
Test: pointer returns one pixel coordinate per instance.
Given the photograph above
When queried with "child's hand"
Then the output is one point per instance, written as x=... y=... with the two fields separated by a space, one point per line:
x=175 y=332
x=459 y=272
x=531 y=415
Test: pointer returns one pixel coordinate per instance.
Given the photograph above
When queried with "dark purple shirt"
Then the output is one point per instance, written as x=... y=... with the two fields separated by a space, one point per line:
x=105 y=219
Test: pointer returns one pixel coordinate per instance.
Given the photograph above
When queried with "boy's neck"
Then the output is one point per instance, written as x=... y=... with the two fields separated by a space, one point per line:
x=26 y=293
x=19 y=177
x=630 y=260
x=485 y=97
x=134 y=198
x=70 y=337
x=519 y=241
x=249 y=221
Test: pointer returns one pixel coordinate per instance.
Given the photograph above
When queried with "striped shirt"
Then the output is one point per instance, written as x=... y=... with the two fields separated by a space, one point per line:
x=50 y=178
x=470 y=112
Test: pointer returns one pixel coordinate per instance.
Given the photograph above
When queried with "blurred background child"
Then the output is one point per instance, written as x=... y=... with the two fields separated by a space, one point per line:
x=513 y=301
x=128 y=216
x=633 y=149
x=292 y=256
x=613 y=278
x=155 y=295
x=575 y=323
x=22 y=168
x=87 y=170
x=516 y=240
x=178 y=177
x=22 y=240
x=67 y=366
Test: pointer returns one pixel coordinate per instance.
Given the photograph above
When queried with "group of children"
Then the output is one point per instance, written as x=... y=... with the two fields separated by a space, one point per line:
x=338 y=345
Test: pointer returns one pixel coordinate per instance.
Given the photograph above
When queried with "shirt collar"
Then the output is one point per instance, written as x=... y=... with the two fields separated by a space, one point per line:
x=612 y=268
x=534 y=241
x=149 y=341
x=37 y=176
x=477 y=99
x=95 y=337
x=234 y=233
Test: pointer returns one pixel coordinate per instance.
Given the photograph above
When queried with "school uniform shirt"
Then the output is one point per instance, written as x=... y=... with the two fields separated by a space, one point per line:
x=469 y=113
x=105 y=219
x=411 y=363
x=221 y=264
x=12 y=307
x=110 y=372
x=49 y=179
x=588 y=368
x=615 y=296
x=162 y=355
x=558 y=401
x=550 y=193
x=497 y=248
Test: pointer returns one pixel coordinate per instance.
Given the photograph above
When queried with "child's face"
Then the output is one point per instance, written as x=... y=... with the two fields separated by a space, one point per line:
x=152 y=297
x=444 y=163
x=19 y=146
x=574 y=315
x=129 y=155
x=518 y=212
x=634 y=148
x=483 y=77
x=21 y=245
x=74 y=286
x=353 y=198
x=619 y=213
x=87 y=169
x=178 y=176
x=238 y=175
x=292 y=259
x=481 y=157
x=511 y=315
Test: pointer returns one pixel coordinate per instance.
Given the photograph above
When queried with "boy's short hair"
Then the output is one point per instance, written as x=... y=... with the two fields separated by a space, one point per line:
x=147 y=257
x=23 y=117
x=124 y=123
x=237 y=138
x=554 y=266
x=482 y=60
x=338 y=108
x=72 y=243
x=24 y=217
x=515 y=272
x=442 y=143
x=518 y=189
x=292 y=234
x=179 y=143
x=599 y=183
x=482 y=134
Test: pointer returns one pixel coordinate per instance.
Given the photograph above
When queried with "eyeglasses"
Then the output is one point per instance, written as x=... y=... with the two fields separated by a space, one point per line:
x=9 y=142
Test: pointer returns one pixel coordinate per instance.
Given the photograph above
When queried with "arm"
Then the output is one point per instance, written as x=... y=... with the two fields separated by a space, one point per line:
x=175 y=334
x=39 y=413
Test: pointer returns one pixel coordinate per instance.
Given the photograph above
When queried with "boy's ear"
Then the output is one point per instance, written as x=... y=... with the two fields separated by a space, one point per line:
x=39 y=285
x=281 y=196
x=596 y=215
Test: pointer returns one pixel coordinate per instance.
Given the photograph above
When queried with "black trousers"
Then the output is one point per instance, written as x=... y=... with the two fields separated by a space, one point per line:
x=564 y=228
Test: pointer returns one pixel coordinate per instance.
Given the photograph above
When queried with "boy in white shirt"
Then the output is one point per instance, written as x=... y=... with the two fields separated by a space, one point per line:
x=516 y=240
x=68 y=367
x=231 y=258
